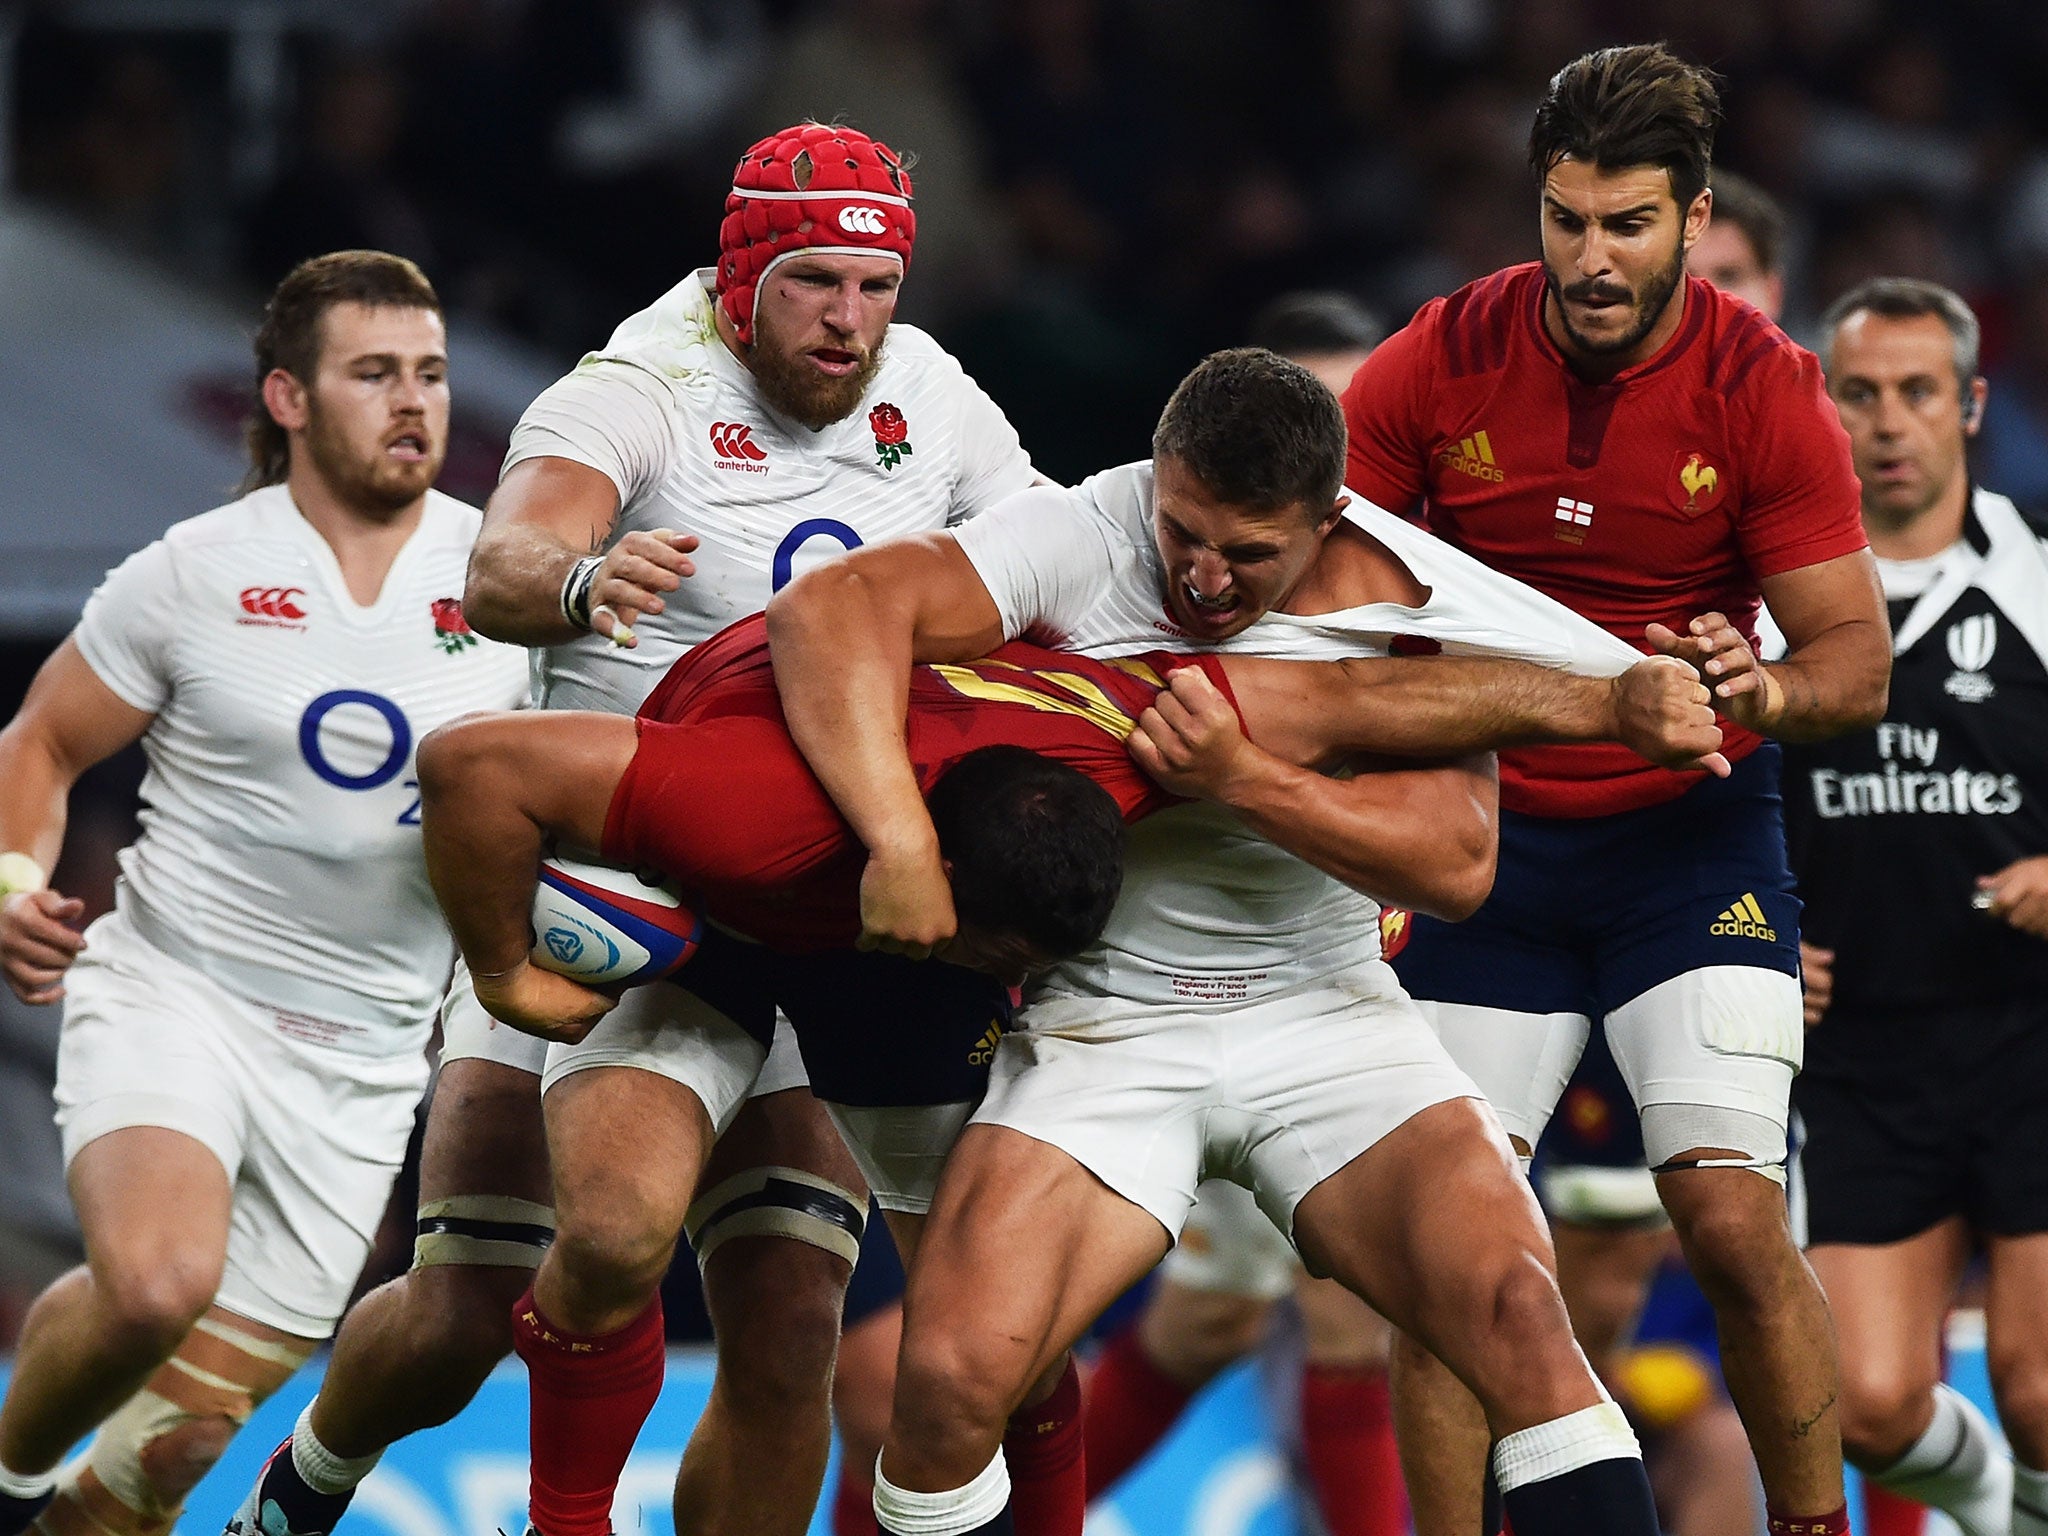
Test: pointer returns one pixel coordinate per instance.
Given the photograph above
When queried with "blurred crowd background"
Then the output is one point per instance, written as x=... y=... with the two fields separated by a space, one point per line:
x=1107 y=189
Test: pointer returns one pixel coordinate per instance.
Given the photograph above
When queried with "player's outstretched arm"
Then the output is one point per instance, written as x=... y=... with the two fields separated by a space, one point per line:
x=69 y=721
x=1421 y=835
x=527 y=584
x=844 y=636
x=1450 y=706
x=1836 y=675
x=493 y=790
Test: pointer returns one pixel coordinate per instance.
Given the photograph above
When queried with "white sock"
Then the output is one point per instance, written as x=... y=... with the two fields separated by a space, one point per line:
x=18 y=1485
x=324 y=1471
x=1957 y=1468
x=2029 y=1501
x=1551 y=1449
x=901 y=1512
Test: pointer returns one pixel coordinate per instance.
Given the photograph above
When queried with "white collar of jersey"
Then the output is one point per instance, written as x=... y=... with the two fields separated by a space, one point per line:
x=2010 y=565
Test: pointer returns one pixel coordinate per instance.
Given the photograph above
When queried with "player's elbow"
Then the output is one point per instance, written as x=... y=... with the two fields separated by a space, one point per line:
x=1464 y=881
x=486 y=594
x=459 y=757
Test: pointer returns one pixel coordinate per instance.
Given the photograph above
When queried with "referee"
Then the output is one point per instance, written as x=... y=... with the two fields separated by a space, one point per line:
x=1922 y=853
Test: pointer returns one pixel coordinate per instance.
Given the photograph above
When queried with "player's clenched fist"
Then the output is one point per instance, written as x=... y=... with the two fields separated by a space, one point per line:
x=1190 y=740
x=37 y=945
x=906 y=903
x=1743 y=687
x=543 y=1003
x=1663 y=712
x=632 y=577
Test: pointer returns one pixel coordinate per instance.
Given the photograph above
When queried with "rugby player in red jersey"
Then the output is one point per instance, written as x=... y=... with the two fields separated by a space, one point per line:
x=1661 y=458
x=705 y=786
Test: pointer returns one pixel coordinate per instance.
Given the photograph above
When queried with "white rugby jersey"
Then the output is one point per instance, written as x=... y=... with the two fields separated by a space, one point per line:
x=280 y=846
x=676 y=422
x=1211 y=912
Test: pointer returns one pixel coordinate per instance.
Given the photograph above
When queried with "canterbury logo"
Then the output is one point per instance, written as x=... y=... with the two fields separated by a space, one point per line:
x=861 y=221
x=735 y=440
x=273 y=602
x=1744 y=920
x=984 y=1050
x=1473 y=456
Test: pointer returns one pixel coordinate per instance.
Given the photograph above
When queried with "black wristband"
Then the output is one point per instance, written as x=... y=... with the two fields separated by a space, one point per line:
x=576 y=590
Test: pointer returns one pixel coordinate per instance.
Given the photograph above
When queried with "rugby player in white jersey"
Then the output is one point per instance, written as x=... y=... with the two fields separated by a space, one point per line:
x=1236 y=1019
x=243 y=1034
x=769 y=412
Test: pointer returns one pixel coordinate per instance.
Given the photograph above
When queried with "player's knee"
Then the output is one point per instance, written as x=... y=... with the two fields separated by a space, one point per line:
x=152 y=1301
x=460 y=1315
x=1738 y=1252
x=956 y=1384
x=615 y=1250
x=776 y=1308
x=1883 y=1411
x=2019 y=1386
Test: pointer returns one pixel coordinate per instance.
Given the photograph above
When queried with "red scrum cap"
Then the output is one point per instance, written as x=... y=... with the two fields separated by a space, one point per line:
x=814 y=187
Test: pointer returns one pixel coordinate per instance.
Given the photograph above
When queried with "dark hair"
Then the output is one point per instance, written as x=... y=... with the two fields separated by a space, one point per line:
x=1314 y=322
x=1037 y=847
x=1639 y=105
x=290 y=337
x=1908 y=298
x=1755 y=212
x=1257 y=431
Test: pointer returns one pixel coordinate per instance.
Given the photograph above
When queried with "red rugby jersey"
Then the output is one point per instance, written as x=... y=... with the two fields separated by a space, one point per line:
x=718 y=798
x=1663 y=494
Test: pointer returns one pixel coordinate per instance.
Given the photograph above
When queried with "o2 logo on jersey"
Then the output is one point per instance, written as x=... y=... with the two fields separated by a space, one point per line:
x=354 y=737
x=783 y=571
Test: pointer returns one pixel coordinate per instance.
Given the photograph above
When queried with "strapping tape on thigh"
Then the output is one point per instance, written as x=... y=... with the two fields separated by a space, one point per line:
x=495 y=1230
x=1771 y=1168
x=777 y=1202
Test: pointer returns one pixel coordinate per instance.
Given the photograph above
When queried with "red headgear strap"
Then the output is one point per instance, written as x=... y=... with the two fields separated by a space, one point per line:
x=813 y=187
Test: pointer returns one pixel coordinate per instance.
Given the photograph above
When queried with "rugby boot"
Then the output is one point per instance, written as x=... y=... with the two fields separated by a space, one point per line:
x=283 y=1504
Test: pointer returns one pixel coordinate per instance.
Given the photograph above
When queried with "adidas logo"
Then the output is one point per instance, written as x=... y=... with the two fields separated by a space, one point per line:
x=1744 y=920
x=984 y=1050
x=1472 y=456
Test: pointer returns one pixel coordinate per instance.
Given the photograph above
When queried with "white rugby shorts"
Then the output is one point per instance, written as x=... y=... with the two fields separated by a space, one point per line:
x=1722 y=1038
x=1276 y=1094
x=311 y=1134
x=662 y=1029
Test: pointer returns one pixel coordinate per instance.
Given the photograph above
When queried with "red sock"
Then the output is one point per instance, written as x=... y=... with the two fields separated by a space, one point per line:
x=1131 y=1406
x=589 y=1398
x=853 y=1503
x=1044 y=1448
x=1347 y=1439
x=1835 y=1524
x=1890 y=1514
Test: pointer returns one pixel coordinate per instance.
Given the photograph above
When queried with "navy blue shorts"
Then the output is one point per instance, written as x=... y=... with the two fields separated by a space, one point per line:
x=876 y=1031
x=1586 y=914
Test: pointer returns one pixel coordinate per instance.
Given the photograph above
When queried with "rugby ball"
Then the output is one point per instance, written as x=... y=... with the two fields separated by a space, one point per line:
x=607 y=927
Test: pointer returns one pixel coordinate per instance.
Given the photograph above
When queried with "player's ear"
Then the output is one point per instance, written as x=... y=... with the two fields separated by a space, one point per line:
x=285 y=398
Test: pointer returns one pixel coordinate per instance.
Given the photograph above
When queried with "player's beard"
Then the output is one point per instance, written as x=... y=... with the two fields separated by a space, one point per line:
x=1646 y=307
x=797 y=389
x=374 y=484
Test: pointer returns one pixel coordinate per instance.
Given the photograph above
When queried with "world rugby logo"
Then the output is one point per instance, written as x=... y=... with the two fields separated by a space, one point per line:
x=1972 y=642
x=860 y=220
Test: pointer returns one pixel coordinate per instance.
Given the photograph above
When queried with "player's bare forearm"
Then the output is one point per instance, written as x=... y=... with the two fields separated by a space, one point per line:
x=1425 y=838
x=493 y=790
x=1838 y=681
x=514 y=590
x=1836 y=675
x=843 y=638
x=1438 y=707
